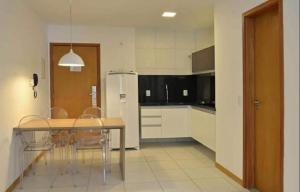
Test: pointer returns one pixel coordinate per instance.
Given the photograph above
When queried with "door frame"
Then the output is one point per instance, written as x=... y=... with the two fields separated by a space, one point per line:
x=97 y=46
x=249 y=88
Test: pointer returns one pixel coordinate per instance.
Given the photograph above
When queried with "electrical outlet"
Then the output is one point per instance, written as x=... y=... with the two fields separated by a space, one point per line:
x=148 y=93
x=185 y=93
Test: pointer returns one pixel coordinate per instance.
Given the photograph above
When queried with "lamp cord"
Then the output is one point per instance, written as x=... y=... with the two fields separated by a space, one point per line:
x=71 y=25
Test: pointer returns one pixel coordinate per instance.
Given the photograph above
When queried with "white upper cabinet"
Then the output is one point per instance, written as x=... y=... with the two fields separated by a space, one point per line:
x=185 y=40
x=165 y=39
x=145 y=38
x=164 y=51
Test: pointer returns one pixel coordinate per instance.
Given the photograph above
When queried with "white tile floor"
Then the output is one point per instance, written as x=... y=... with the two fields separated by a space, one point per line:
x=159 y=167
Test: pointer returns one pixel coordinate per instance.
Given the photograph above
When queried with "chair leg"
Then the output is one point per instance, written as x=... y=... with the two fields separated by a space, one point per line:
x=109 y=151
x=76 y=161
x=104 y=164
x=51 y=153
x=22 y=168
x=83 y=156
x=104 y=154
x=45 y=158
x=33 y=166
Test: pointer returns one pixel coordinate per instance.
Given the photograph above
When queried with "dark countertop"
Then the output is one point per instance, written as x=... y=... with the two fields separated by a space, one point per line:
x=209 y=108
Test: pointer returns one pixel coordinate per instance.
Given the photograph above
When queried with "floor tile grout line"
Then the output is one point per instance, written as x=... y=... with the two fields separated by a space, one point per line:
x=187 y=175
x=193 y=180
x=154 y=175
x=164 y=148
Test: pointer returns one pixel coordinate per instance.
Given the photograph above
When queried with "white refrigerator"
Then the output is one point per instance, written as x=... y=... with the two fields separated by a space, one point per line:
x=122 y=101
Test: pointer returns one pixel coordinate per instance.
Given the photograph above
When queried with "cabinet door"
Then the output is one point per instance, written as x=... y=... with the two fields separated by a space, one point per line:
x=174 y=122
x=204 y=128
x=151 y=132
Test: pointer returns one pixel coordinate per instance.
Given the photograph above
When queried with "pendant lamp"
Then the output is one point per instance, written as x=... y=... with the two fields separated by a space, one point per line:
x=71 y=59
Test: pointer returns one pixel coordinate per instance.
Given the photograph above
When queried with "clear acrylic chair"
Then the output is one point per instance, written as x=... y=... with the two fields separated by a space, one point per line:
x=95 y=111
x=89 y=139
x=61 y=138
x=98 y=112
x=34 y=141
x=59 y=113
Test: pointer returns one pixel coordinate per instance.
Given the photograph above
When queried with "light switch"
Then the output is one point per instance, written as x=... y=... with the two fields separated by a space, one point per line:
x=148 y=93
x=185 y=93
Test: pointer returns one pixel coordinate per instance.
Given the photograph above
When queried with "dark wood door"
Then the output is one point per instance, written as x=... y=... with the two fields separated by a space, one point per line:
x=71 y=89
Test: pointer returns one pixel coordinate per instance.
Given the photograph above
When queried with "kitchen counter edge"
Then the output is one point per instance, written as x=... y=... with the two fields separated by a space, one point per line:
x=203 y=108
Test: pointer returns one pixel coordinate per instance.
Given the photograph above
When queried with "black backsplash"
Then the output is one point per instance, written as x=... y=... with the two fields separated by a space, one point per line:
x=205 y=90
x=200 y=89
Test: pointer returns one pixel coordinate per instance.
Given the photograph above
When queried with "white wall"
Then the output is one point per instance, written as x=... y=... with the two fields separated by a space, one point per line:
x=167 y=51
x=291 y=95
x=117 y=46
x=229 y=82
x=229 y=88
x=23 y=46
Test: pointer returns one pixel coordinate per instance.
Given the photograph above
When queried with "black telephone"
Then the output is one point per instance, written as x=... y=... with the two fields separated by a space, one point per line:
x=35 y=79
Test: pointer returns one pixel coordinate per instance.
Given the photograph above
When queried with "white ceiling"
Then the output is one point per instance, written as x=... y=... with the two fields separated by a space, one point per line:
x=191 y=14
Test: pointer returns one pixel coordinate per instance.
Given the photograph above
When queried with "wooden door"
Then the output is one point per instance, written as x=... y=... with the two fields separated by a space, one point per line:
x=71 y=89
x=265 y=95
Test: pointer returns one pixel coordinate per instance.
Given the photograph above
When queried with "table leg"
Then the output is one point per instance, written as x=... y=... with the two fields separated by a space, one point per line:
x=122 y=152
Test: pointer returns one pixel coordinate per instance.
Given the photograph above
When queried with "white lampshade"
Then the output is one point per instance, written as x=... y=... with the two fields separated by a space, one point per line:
x=71 y=59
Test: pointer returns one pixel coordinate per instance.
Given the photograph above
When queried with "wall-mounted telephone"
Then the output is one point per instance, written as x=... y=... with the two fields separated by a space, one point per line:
x=35 y=82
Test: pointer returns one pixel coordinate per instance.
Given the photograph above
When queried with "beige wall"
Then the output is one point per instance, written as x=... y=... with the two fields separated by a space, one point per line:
x=22 y=49
x=229 y=88
x=291 y=95
x=168 y=51
x=229 y=82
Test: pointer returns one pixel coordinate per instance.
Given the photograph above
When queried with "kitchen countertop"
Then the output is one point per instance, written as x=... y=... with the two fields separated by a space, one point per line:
x=205 y=108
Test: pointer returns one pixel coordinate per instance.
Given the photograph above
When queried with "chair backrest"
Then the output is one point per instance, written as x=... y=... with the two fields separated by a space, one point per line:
x=85 y=135
x=94 y=111
x=59 y=113
x=28 y=137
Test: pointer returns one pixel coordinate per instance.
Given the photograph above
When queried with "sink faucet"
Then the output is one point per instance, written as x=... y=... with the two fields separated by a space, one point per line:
x=167 y=93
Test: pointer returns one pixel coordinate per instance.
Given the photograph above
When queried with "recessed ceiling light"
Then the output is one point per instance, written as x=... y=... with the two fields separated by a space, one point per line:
x=169 y=14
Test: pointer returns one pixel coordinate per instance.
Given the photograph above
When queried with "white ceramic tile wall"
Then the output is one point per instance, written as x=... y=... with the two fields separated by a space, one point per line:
x=165 y=51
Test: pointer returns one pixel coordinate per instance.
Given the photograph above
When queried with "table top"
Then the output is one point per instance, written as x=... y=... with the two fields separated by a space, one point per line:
x=68 y=124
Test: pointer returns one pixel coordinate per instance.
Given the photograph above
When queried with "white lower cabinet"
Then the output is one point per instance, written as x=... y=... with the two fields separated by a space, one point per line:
x=164 y=122
x=204 y=128
x=177 y=122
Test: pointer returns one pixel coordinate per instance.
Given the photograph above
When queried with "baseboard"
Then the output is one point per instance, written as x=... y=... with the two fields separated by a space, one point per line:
x=12 y=187
x=168 y=140
x=229 y=174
